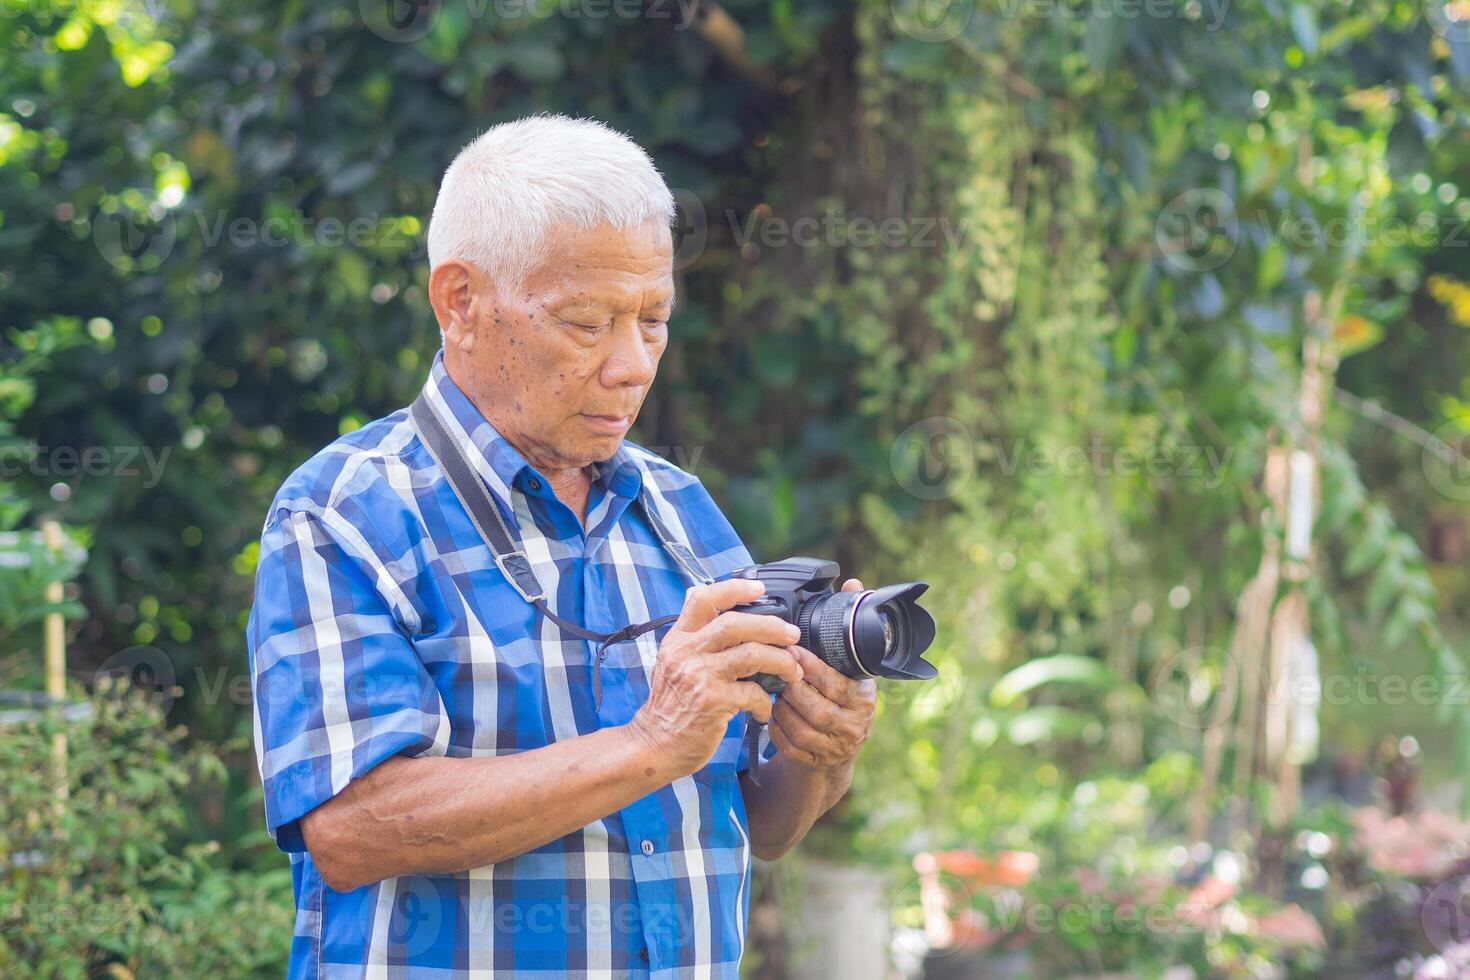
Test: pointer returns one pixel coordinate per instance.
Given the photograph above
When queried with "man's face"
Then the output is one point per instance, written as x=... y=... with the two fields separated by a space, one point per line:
x=561 y=366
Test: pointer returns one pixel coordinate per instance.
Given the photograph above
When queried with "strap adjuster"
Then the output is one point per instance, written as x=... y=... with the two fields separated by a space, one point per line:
x=516 y=567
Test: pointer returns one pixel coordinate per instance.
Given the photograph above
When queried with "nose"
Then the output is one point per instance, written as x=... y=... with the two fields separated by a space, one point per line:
x=632 y=360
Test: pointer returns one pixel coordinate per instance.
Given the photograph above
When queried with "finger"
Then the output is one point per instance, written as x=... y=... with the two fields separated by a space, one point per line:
x=852 y=585
x=813 y=706
x=733 y=628
x=790 y=749
x=802 y=733
x=835 y=686
x=702 y=603
x=754 y=658
x=748 y=696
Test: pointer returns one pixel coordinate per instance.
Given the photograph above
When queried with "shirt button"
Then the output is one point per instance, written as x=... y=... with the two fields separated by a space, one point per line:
x=533 y=483
x=648 y=847
x=643 y=955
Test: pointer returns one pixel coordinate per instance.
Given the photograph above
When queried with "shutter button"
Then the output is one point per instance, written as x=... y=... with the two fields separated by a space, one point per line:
x=648 y=847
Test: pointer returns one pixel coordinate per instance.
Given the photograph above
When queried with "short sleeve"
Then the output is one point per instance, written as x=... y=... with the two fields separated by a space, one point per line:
x=337 y=684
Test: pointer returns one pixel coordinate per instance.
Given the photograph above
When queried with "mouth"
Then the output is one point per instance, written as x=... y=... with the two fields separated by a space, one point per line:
x=608 y=423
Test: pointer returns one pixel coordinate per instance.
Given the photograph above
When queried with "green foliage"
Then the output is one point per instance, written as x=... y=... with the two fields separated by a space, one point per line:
x=95 y=883
x=1130 y=228
x=27 y=563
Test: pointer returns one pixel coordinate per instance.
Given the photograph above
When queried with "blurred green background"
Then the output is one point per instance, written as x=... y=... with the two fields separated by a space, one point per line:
x=1137 y=327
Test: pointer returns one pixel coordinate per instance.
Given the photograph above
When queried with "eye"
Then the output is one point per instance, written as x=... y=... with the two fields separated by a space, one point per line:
x=588 y=327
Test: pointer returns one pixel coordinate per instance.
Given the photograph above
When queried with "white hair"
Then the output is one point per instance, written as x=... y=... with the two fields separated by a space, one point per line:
x=517 y=181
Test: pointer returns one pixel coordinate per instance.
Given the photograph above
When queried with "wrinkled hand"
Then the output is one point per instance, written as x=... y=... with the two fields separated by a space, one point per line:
x=822 y=721
x=695 y=689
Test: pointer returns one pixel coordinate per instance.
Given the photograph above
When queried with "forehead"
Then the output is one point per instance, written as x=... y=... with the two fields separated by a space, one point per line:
x=605 y=259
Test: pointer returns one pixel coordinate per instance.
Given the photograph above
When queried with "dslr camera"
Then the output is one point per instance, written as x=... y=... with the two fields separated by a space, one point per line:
x=871 y=633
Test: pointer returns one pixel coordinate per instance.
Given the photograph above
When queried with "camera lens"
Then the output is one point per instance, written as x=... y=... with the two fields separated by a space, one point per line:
x=890 y=630
x=824 y=623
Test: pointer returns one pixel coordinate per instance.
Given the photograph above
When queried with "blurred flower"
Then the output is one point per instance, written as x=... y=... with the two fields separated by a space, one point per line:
x=1423 y=846
x=1292 y=927
x=1008 y=869
x=1452 y=964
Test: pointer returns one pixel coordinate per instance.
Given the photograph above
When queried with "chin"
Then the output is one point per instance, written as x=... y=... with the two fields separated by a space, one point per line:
x=604 y=448
x=590 y=449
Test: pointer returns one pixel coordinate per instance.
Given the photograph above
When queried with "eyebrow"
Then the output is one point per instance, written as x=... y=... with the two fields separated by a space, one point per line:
x=584 y=301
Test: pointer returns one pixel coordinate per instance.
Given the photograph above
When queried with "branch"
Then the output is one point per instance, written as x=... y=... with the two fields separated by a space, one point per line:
x=725 y=35
x=1399 y=425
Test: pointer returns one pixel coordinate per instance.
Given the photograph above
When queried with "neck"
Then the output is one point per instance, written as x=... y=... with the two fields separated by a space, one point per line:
x=570 y=480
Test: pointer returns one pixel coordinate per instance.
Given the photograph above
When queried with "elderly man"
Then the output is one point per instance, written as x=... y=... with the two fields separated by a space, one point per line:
x=469 y=782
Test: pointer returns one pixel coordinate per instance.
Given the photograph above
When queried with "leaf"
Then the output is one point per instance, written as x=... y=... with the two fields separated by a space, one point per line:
x=1355 y=333
x=1103 y=38
x=1047 y=722
x=911 y=58
x=1066 y=668
x=1304 y=26
x=1362 y=555
x=1384 y=587
x=536 y=62
x=1125 y=344
x=1270 y=268
x=352 y=177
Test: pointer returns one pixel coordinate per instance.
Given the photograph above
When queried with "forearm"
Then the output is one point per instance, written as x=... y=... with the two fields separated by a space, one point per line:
x=440 y=815
x=787 y=802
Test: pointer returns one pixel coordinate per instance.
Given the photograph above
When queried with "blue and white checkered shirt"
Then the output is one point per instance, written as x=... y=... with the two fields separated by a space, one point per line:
x=383 y=627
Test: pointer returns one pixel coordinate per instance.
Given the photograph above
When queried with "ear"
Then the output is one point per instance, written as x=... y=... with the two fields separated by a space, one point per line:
x=457 y=295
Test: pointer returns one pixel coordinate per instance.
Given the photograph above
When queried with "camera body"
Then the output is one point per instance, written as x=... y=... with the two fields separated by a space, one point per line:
x=870 y=633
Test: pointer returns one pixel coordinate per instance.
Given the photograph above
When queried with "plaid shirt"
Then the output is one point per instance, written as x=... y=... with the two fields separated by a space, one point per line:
x=383 y=627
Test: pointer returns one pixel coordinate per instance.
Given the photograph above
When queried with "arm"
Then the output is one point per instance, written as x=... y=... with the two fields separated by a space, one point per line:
x=819 y=725
x=441 y=815
x=787 y=802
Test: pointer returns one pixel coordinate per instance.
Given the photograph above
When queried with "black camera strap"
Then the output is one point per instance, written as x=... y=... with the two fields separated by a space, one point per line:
x=516 y=565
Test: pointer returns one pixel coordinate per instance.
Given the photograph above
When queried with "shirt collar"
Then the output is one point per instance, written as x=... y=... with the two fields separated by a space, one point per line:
x=500 y=464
